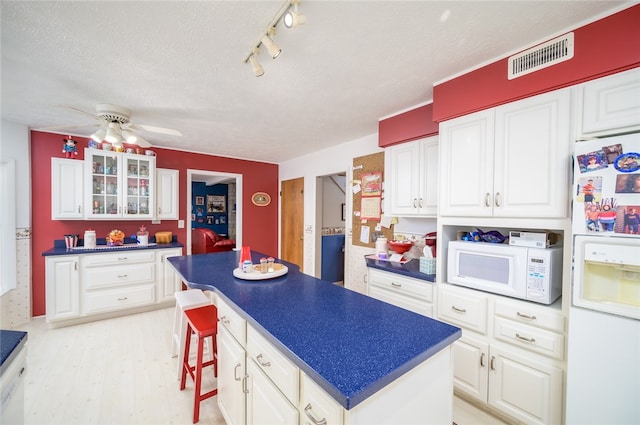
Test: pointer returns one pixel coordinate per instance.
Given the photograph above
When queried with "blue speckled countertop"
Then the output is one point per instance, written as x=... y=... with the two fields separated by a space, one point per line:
x=59 y=247
x=411 y=268
x=352 y=345
x=10 y=344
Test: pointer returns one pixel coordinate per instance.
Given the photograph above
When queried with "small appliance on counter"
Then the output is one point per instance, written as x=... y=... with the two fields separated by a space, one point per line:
x=90 y=239
x=164 y=237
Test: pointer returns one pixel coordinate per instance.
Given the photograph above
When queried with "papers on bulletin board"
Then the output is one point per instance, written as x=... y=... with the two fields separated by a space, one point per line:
x=370 y=208
x=364 y=234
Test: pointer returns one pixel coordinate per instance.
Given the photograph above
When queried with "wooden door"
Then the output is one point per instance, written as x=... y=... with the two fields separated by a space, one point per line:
x=292 y=221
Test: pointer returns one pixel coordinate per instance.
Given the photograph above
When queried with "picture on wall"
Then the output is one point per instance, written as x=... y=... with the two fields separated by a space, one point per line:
x=209 y=219
x=199 y=200
x=216 y=204
x=223 y=219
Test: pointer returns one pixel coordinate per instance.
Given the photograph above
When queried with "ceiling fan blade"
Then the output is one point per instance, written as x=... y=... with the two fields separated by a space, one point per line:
x=63 y=127
x=143 y=143
x=160 y=130
x=89 y=114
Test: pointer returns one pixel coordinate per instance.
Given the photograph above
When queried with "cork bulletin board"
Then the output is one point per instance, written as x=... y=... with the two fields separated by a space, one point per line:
x=367 y=191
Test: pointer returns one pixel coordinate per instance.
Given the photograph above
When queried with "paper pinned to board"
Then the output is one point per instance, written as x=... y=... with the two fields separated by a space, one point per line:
x=364 y=234
x=386 y=221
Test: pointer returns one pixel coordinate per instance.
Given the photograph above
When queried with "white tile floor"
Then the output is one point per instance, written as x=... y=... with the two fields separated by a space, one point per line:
x=119 y=371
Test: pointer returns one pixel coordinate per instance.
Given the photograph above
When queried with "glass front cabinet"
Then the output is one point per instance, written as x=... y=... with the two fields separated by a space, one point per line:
x=119 y=185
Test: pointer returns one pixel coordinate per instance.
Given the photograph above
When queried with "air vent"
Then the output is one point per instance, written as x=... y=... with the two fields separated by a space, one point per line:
x=550 y=53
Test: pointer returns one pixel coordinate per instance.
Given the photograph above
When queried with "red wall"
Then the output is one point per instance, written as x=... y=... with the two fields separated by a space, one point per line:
x=604 y=47
x=411 y=125
x=259 y=225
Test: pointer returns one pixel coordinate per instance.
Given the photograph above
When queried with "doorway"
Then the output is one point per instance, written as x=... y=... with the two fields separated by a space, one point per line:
x=330 y=241
x=235 y=200
x=292 y=221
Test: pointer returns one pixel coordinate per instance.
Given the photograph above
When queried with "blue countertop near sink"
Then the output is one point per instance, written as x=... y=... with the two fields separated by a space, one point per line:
x=59 y=248
x=411 y=268
x=352 y=345
x=10 y=344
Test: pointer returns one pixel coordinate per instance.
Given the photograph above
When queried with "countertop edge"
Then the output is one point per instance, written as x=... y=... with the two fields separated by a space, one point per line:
x=409 y=269
x=65 y=251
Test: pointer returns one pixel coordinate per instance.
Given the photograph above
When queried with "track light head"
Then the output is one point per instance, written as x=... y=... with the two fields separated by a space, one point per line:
x=272 y=47
x=292 y=18
x=258 y=71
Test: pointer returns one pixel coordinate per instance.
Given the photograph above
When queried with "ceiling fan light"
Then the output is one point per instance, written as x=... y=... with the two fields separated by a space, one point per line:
x=129 y=136
x=98 y=136
x=272 y=47
x=113 y=134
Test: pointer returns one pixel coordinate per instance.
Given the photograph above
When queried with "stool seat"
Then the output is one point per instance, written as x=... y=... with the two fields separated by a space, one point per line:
x=203 y=322
x=185 y=300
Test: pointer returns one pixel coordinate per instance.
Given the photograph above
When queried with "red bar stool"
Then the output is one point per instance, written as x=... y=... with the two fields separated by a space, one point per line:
x=203 y=322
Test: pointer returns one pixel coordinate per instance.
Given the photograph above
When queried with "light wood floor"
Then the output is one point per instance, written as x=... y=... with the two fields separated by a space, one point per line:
x=119 y=371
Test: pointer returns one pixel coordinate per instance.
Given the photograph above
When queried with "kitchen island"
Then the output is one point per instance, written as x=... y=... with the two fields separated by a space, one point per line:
x=357 y=349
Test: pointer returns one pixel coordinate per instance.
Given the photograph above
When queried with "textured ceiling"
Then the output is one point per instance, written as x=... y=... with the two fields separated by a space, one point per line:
x=180 y=64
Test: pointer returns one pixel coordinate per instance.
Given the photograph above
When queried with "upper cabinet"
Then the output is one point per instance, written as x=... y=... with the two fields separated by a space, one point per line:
x=508 y=161
x=66 y=189
x=611 y=104
x=167 y=194
x=412 y=178
x=118 y=185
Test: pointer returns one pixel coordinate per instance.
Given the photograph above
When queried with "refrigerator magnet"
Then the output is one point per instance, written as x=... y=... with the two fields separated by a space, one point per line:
x=627 y=162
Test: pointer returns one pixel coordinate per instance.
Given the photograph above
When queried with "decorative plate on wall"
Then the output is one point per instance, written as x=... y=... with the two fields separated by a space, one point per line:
x=261 y=199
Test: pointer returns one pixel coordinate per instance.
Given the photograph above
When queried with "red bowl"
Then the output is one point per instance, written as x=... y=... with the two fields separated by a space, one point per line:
x=400 y=247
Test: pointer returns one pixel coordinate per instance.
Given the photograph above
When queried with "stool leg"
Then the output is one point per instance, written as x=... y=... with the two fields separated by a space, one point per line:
x=198 y=381
x=185 y=358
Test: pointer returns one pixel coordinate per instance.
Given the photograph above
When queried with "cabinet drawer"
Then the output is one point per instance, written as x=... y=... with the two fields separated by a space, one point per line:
x=232 y=321
x=401 y=284
x=101 y=277
x=531 y=315
x=531 y=338
x=402 y=301
x=316 y=406
x=464 y=309
x=118 y=299
x=277 y=367
x=117 y=258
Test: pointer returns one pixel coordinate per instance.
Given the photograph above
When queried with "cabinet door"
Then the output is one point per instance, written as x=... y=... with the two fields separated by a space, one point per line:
x=429 y=158
x=470 y=367
x=63 y=287
x=265 y=403
x=231 y=377
x=524 y=388
x=103 y=186
x=466 y=164
x=168 y=278
x=532 y=157
x=612 y=104
x=138 y=181
x=66 y=189
x=316 y=406
x=403 y=182
x=167 y=194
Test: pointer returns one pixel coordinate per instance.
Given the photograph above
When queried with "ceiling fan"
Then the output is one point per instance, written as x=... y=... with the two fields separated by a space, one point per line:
x=115 y=127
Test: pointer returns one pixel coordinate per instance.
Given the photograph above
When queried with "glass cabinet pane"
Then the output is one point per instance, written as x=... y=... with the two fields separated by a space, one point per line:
x=104 y=183
x=138 y=186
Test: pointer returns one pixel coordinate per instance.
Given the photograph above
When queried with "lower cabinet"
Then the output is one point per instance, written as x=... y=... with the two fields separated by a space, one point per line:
x=79 y=287
x=266 y=405
x=411 y=294
x=507 y=373
x=231 y=377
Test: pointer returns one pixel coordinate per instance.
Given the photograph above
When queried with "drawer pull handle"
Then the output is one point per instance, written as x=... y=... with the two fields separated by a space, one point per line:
x=524 y=338
x=526 y=316
x=122 y=258
x=482 y=360
x=458 y=310
x=492 y=365
x=261 y=362
x=235 y=375
x=307 y=411
x=122 y=276
x=123 y=299
x=397 y=285
x=224 y=320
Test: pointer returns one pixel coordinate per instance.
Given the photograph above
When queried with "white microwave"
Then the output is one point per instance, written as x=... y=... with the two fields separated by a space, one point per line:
x=532 y=274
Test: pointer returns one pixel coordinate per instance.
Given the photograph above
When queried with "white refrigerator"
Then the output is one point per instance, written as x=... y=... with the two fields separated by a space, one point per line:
x=603 y=368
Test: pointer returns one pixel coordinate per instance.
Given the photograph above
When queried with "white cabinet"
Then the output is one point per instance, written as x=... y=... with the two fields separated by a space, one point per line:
x=168 y=280
x=166 y=194
x=411 y=179
x=509 y=161
x=611 y=104
x=66 y=189
x=87 y=287
x=231 y=377
x=411 y=294
x=265 y=404
x=517 y=381
x=316 y=406
x=118 y=185
x=63 y=287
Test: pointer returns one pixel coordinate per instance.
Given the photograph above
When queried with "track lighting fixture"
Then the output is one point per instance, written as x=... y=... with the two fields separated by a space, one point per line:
x=292 y=18
x=288 y=13
x=257 y=68
x=267 y=41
